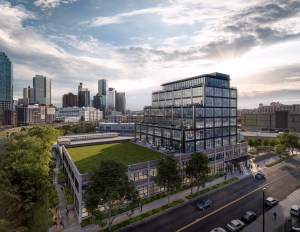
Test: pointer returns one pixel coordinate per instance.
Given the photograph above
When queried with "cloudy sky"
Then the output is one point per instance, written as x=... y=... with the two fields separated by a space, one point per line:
x=137 y=45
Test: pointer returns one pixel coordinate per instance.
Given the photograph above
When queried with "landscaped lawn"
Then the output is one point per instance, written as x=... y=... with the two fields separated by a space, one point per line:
x=126 y=152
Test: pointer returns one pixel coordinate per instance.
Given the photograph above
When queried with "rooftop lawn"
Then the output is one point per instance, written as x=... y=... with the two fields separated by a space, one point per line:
x=126 y=152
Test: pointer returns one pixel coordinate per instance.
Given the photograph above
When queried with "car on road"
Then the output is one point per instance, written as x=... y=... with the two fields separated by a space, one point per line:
x=235 y=225
x=204 y=203
x=295 y=210
x=259 y=175
x=271 y=201
x=249 y=216
x=218 y=229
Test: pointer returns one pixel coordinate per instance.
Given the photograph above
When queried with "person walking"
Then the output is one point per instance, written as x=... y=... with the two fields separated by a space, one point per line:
x=275 y=215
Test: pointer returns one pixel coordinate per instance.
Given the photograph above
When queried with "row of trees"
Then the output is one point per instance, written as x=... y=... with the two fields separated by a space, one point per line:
x=83 y=127
x=24 y=177
x=282 y=144
x=110 y=192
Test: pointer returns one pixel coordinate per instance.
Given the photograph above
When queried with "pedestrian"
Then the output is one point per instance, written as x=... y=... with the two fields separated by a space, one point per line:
x=67 y=212
x=141 y=207
x=62 y=188
x=275 y=215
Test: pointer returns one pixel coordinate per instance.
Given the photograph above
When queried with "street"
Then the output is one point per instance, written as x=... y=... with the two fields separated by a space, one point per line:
x=230 y=202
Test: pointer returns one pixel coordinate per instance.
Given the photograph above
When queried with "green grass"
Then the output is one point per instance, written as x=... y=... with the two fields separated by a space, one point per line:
x=125 y=152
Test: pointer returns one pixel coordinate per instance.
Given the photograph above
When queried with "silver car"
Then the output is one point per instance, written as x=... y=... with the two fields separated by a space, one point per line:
x=271 y=201
x=235 y=225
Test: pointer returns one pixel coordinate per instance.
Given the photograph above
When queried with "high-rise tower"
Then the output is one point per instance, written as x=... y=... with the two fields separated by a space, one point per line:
x=6 y=80
x=42 y=90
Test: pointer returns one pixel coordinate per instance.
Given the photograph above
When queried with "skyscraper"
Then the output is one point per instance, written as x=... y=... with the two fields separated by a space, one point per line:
x=83 y=96
x=6 y=80
x=102 y=87
x=120 y=102
x=42 y=90
x=70 y=100
x=111 y=99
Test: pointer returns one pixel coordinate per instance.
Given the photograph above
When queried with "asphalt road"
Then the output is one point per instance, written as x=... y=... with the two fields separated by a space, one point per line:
x=230 y=202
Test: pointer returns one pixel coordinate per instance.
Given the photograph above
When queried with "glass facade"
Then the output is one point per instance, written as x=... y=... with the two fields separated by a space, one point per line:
x=42 y=90
x=183 y=107
x=6 y=80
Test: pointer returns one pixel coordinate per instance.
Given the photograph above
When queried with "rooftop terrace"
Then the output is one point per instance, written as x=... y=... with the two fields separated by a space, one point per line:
x=85 y=158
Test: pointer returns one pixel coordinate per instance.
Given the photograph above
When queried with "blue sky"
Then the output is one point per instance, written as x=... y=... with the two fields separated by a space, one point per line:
x=138 y=45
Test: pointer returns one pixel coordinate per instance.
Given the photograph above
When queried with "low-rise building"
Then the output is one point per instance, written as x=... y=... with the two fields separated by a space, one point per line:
x=140 y=173
x=78 y=114
x=35 y=114
x=122 y=128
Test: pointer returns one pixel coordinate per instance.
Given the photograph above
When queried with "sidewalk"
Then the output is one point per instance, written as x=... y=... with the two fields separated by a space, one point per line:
x=69 y=221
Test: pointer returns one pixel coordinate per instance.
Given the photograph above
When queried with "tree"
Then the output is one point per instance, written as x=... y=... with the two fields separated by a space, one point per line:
x=168 y=174
x=289 y=140
x=280 y=149
x=254 y=142
x=24 y=176
x=197 y=169
x=108 y=190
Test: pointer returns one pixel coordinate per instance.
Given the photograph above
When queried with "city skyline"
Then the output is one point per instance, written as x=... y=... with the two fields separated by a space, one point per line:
x=138 y=46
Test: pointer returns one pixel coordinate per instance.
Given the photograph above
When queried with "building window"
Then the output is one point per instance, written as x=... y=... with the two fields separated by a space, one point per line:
x=209 y=112
x=189 y=147
x=200 y=145
x=177 y=134
x=209 y=122
x=143 y=191
x=209 y=101
x=200 y=122
x=189 y=135
x=155 y=189
x=140 y=175
x=199 y=134
x=209 y=144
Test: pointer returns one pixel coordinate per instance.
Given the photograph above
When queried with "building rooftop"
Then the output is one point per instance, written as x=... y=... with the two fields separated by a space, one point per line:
x=259 y=134
x=86 y=157
x=215 y=74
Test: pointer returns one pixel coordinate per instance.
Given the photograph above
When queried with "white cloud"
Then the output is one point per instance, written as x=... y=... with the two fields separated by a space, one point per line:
x=48 y=4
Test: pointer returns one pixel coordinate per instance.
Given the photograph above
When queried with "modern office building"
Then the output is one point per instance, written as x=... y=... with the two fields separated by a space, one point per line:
x=102 y=87
x=121 y=102
x=6 y=80
x=111 y=99
x=69 y=100
x=83 y=96
x=193 y=114
x=100 y=102
x=41 y=90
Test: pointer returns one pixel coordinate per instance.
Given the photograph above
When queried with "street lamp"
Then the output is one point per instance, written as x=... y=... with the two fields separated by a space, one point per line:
x=264 y=207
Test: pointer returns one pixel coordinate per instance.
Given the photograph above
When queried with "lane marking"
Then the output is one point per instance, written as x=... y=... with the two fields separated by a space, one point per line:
x=236 y=200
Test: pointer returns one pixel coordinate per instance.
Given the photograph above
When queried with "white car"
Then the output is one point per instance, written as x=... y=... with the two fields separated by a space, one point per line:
x=235 y=225
x=271 y=201
x=295 y=210
x=218 y=229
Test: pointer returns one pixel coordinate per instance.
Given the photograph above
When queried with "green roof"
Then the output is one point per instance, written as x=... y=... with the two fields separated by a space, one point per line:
x=125 y=152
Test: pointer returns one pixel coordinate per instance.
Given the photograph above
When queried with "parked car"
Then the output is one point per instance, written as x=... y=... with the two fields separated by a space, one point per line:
x=271 y=201
x=249 y=216
x=218 y=229
x=205 y=203
x=259 y=175
x=235 y=225
x=295 y=210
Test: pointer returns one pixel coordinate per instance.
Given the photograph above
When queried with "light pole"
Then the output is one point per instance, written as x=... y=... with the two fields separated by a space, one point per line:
x=264 y=207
